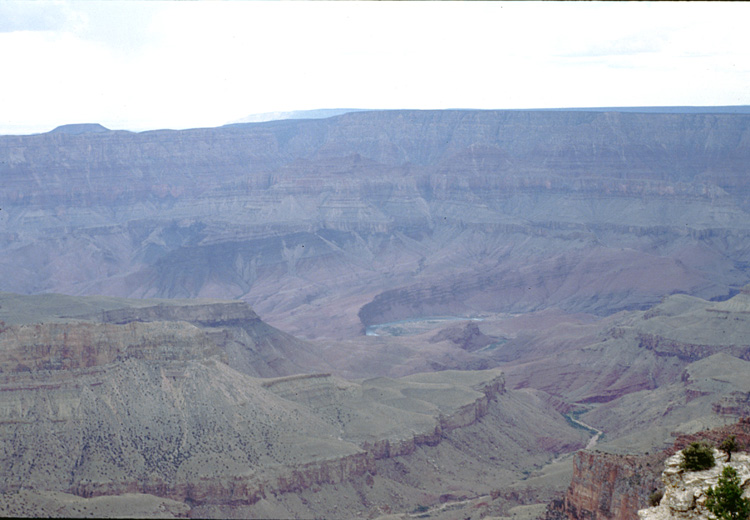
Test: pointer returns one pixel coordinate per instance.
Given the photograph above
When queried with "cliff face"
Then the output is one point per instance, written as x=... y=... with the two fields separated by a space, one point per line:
x=248 y=343
x=400 y=214
x=609 y=486
x=684 y=491
x=60 y=347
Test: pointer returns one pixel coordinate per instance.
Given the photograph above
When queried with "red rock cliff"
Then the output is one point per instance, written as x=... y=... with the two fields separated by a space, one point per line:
x=615 y=487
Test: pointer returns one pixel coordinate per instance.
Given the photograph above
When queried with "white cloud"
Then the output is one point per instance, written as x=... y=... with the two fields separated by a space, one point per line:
x=145 y=65
x=38 y=16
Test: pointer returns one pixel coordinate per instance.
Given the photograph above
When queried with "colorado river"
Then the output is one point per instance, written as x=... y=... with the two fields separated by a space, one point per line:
x=399 y=328
x=597 y=433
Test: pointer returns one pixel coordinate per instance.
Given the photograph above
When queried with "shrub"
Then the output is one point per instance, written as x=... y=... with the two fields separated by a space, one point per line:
x=655 y=498
x=697 y=457
x=725 y=500
x=729 y=445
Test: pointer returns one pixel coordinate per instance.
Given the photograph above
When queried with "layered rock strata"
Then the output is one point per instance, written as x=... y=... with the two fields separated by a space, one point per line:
x=609 y=486
x=331 y=225
x=148 y=407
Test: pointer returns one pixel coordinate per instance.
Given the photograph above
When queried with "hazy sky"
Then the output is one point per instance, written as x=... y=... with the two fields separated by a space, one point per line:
x=143 y=65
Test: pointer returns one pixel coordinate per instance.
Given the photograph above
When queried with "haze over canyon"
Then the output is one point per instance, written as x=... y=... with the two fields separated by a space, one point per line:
x=375 y=313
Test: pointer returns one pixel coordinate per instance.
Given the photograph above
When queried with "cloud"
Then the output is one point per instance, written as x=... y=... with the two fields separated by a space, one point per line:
x=631 y=44
x=38 y=16
x=141 y=65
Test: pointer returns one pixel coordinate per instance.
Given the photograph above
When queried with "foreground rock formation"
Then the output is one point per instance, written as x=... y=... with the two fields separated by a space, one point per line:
x=607 y=486
x=615 y=487
x=685 y=491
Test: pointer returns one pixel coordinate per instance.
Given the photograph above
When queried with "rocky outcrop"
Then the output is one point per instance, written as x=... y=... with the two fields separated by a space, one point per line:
x=467 y=337
x=248 y=343
x=606 y=486
x=85 y=338
x=609 y=486
x=684 y=494
x=205 y=314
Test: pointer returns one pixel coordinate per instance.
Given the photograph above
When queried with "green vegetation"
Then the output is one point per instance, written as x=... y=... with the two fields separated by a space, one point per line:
x=697 y=457
x=729 y=445
x=725 y=500
x=655 y=498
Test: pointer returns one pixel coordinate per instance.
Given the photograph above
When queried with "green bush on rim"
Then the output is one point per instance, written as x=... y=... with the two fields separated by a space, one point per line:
x=697 y=457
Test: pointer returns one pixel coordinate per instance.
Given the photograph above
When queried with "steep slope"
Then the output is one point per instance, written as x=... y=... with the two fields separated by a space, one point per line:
x=643 y=350
x=230 y=328
x=143 y=404
x=616 y=487
x=327 y=226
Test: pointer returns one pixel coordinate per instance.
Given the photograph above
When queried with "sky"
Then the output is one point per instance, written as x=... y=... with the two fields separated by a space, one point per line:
x=140 y=65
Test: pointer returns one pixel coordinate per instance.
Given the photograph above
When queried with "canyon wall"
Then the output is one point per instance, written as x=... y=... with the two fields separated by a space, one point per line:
x=326 y=226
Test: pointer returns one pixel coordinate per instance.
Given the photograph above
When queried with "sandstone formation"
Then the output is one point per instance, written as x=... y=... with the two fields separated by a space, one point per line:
x=607 y=486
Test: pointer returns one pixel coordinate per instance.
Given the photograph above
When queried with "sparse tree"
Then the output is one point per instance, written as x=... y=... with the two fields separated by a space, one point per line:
x=697 y=457
x=725 y=500
x=729 y=445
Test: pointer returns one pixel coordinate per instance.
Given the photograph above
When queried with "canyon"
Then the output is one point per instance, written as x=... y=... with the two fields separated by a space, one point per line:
x=327 y=226
x=379 y=313
x=137 y=403
x=159 y=402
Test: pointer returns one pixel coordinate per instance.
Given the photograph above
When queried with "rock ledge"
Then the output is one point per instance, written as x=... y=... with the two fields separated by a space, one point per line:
x=684 y=491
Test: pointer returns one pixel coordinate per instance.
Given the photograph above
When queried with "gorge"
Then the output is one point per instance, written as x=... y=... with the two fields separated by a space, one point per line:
x=187 y=312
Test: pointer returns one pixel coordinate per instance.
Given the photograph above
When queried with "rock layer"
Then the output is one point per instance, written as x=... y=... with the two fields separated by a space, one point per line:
x=607 y=486
x=145 y=403
x=327 y=226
